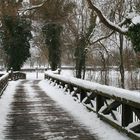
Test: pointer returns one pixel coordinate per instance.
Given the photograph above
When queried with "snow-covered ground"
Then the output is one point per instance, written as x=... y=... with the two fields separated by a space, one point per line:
x=76 y=109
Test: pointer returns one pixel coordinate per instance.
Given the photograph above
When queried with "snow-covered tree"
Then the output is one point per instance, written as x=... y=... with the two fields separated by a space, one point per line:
x=127 y=26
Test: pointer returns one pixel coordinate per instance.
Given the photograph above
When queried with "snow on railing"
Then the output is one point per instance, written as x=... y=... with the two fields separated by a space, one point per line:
x=4 y=76
x=11 y=75
x=3 y=82
x=109 y=90
x=119 y=107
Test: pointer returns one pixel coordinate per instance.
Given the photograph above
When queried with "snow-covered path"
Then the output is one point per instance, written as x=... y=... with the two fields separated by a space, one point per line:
x=34 y=115
x=33 y=109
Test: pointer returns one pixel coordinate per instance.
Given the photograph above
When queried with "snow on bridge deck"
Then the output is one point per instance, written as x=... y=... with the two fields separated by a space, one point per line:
x=28 y=112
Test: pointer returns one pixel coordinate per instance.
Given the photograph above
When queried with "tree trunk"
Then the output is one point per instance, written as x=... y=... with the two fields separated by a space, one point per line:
x=121 y=60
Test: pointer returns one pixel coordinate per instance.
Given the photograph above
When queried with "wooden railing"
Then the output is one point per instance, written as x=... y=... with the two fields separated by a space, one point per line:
x=4 y=78
x=16 y=75
x=118 y=107
x=3 y=82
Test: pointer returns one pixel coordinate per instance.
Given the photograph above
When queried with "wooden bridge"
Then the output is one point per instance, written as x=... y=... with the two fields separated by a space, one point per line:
x=38 y=117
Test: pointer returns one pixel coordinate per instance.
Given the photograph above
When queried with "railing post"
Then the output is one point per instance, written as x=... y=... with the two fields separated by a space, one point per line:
x=82 y=94
x=36 y=72
x=99 y=103
x=59 y=71
x=127 y=115
x=70 y=88
x=11 y=73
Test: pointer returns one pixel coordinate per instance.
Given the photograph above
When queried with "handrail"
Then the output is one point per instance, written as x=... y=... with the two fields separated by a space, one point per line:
x=12 y=76
x=16 y=75
x=3 y=82
x=109 y=103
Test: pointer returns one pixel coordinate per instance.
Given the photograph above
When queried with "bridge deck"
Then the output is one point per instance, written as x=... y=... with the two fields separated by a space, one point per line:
x=35 y=116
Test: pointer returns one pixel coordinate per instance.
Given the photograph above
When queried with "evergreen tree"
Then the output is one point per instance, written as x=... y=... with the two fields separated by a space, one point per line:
x=15 y=40
x=134 y=35
x=15 y=33
x=54 y=13
x=52 y=35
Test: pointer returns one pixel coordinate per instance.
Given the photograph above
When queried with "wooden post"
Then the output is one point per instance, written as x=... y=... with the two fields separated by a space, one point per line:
x=99 y=103
x=11 y=73
x=36 y=72
x=127 y=115
x=59 y=71
x=70 y=88
x=82 y=94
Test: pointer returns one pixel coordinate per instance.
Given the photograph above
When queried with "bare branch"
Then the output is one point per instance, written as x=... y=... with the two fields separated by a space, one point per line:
x=34 y=7
x=104 y=20
x=102 y=38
